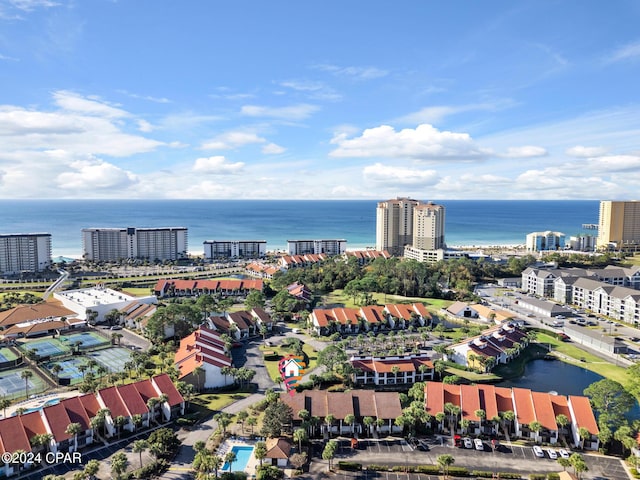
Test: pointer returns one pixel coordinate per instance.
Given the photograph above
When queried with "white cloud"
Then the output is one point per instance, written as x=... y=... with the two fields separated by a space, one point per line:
x=231 y=140
x=627 y=52
x=422 y=143
x=7 y=58
x=217 y=165
x=145 y=97
x=614 y=163
x=75 y=103
x=436 y=113
x=585 y=152
x=392 y=175
x=95 y=174
x=360 y=73
x=144 y=126
x=273 y=149
x=29 y=5
x=293 y=112
x=313 y=89
x=527 y=151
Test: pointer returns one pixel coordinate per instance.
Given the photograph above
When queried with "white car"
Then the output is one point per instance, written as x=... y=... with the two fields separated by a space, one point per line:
x=467 y=442
x=563 y=453
x=537 y=451
x=478 y=444
x=552 y=454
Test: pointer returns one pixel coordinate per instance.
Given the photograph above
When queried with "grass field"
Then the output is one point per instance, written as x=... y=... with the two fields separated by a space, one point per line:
x=272 y=365
x=215 y=402
x=337 y=297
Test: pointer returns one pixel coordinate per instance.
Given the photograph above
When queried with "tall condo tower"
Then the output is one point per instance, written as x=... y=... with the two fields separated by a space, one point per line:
x=24 y=252
x=112 y=244
x=619 y=225
x=394 y=224
x=428 y=226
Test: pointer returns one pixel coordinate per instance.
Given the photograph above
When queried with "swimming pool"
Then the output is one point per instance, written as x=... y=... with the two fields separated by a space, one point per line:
x=243 y=454
x=48 y=403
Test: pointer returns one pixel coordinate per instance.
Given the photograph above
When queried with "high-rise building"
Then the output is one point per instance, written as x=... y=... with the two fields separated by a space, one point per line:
x=235 y=248
x=328 y=247
x=541 y=241
x=24 y=252
x=112 y=244
x=394 y=224
x=619 y=225
x=428 y=226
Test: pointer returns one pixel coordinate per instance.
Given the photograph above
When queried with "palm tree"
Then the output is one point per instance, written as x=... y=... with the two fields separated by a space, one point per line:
x=252 y=422
x=300 y=435
x=368 y=422
x=583 y=433
x=151 y=405
x=562 y=421
x=74 y=429
x=453 y=411
x=260 y=452
x=197 y=372
x=242 y=416
x=508 y=416
x=328 y=420
x=350 y=419
x=445 y=461
x=56 y=369
x=481 y=414
x=4 y=404
x=119 y=464
x=26 y=375
x=120 y=422
x=535 y=427
x=140 y=446
x=216 y=463
x=230 y=457
x=83 y=368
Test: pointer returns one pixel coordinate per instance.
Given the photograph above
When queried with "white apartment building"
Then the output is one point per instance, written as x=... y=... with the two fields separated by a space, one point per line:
x=234 y=249
x=24 y=252
x=112 y=244
x=543 y=241
x=619 y=225
x=394 y=224
x=317 y=247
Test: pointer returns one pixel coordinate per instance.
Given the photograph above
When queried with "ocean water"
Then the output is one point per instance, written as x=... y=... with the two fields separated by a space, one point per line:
x=468 y=222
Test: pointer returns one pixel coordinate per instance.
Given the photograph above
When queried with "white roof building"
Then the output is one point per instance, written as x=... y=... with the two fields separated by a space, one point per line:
x=98 y=299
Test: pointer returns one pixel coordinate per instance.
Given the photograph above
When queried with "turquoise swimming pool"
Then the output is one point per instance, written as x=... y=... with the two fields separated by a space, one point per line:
x=243 y=454
x=52 y=401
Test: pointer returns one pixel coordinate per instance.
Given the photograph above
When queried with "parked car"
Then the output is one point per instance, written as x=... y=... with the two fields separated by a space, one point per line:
x=553 y=455
x=467 y=442
x=537 y=451
x=116 y=327
x=478 y=444
x=563 y=453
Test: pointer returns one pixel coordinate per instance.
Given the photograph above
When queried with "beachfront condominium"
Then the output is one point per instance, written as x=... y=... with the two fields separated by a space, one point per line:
x=619 y=225
x=113 y=244
x=406 y=222
x=543 y=241
x=394 y=224
x=428 y=226
x=234 y=249
x=328 y=247
x=24 y=252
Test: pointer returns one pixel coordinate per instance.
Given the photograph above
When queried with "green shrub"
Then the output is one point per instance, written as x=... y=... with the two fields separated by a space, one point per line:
x=152 y=469
x=459 y=471
x=350 y=466
x=538 y=476
x=553 y=476
x=428 y=469
x=378 y=468
x=481 y=474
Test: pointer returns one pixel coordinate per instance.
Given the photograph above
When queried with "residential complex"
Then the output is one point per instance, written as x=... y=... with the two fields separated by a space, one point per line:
x=394 y=224
x=542 y=241
x=203 y=349
x=428 y=227
x=619 y=225
x=610 y=291
x=113 y=244
x=404 y=369
x=24 y=252
x=99 y=300
x=317 y=247
x=214 y=249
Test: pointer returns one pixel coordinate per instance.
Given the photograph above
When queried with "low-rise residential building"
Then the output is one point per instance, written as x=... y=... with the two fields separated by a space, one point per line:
x=278 y=452
x=191 y=288
x=483 y=407
x=100 y=300
x=356 y=405
x=370 y=318
x=261 y=270
x=366 y=256
x=391 y=369
x=201 y=358
x=136 y=315
x=295 y=261
x=493 y=346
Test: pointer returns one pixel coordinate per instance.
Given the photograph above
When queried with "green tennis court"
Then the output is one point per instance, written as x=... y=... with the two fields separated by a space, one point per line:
x=6 y=355
x=12 y=385
x=49 y=347
x=70 y=369
x=113 y=359
x=86 y=339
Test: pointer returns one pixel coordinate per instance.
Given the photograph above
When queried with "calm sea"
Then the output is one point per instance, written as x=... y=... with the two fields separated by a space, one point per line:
x=468 y=222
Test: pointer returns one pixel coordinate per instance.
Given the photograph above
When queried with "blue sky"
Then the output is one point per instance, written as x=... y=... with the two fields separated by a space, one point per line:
x=348 y=100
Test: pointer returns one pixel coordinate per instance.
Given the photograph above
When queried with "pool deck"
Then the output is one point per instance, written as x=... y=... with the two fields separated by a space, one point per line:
x=227 y=445
x=39 y=401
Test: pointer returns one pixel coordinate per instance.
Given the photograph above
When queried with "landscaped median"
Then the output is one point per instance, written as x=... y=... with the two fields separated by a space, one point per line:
x=434 y=470
x=272 y=356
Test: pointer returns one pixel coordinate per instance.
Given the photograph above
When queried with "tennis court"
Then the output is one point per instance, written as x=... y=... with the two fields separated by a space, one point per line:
x=113 y=358
x=70 y=369
x=49 y=347
x=12 y=385
x=86 y=339
x=6 y=355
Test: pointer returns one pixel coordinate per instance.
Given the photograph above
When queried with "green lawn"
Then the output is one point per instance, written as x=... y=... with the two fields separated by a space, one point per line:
x=473 y=376
x=337 y=297
x=137 y=291
x=215 y=402
x=272 y=365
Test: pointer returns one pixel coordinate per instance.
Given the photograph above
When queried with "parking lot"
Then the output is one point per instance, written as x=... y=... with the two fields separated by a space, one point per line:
x=506 y=458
